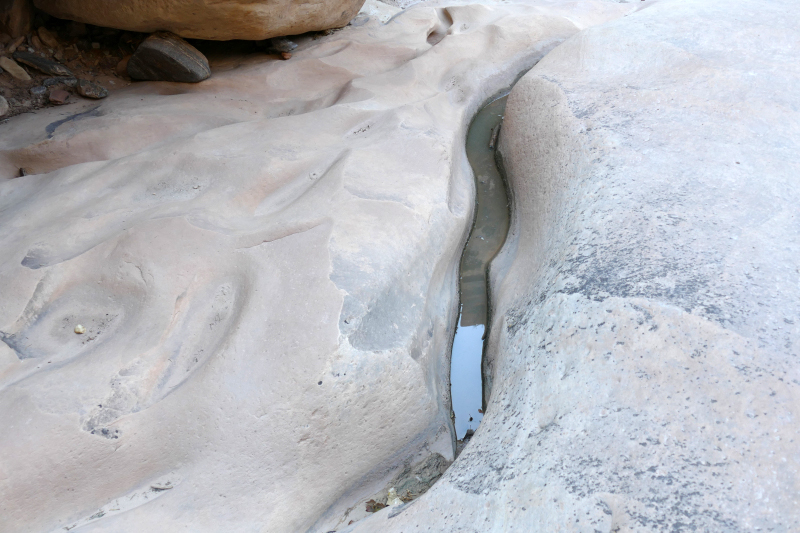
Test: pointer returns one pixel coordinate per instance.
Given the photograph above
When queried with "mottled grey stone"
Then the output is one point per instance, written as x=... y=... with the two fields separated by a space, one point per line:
x=166 y=57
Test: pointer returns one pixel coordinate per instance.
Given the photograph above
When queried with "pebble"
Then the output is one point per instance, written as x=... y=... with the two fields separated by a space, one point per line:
x=91 y=90
x=166 y=57
x=3 y=106
x=16 y=44
x=48 y=38
x=80 y=329
x=11 y=66
x=286 y=55
x=59 y=96
x=48 y=66
x=39 y=90
x=36 y=43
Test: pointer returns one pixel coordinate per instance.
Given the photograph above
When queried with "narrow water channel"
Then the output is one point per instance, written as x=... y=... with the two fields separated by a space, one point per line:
x=487 y=236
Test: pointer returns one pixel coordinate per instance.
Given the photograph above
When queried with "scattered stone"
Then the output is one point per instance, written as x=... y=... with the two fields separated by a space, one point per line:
x=79 y=329
x=68 y=81
x=48 y=38
x=36 y=43
x=16 y=71
x=166 y=57
x=59 y=96
x=16 y=43
x=48 y=66
x=286 y=55
x=91 y=90
x=3 y=106
x=39 y=90
x=122 y=66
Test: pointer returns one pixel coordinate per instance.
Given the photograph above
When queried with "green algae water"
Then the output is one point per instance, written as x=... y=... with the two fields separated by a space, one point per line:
x=489 y=231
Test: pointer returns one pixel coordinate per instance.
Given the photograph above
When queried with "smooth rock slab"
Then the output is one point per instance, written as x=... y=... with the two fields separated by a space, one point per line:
x=265 y=269
x=166 y=57
x=644 y=347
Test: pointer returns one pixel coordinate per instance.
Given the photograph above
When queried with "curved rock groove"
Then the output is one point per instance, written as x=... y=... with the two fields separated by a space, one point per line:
x=489 y=230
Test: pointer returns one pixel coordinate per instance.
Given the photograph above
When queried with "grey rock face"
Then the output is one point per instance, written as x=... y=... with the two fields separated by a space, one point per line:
x=644 y=350
x=166 y=57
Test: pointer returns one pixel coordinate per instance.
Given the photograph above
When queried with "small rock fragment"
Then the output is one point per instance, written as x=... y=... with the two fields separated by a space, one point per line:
x=91 y=90
x=393 y=499
x=68 y=81
x=3 y=106
x=59 y=96
x=16 y=71
x=286 y=55
x=282 y=44
x=48 y=66
x=36 y=43
x=166 y=57
x=122 y=66
x=39 y=90
x=80 y=329
x=16 y=44
x=48 y=38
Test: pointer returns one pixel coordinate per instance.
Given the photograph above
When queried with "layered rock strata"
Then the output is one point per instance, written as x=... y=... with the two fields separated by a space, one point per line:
x=646 y=329
x=263 y=267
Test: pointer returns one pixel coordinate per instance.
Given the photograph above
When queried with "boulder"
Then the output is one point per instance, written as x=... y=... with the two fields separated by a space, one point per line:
x=164 y=56
x=16 y=17
x=264 y=266
x=206 y=19
x=644 y=344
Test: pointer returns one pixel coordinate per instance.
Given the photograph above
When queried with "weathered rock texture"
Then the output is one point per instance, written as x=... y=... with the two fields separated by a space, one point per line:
x=166 y=57
x=16 y=17
x=265 y=267
x=647 y=319
x=209 y=19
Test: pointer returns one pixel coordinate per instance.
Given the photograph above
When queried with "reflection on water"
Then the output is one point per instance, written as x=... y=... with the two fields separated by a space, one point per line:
x=488 y=234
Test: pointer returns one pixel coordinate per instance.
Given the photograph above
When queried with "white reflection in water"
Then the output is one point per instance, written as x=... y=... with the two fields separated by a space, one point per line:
x=465 y=377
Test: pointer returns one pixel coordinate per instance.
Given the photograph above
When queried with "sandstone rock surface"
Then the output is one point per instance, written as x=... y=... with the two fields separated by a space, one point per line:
x=208 y=19
x=264 y=266
x=647 y=303
x=16 y=17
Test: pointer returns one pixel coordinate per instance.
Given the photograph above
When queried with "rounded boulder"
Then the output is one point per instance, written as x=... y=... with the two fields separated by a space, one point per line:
x=208 y=19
